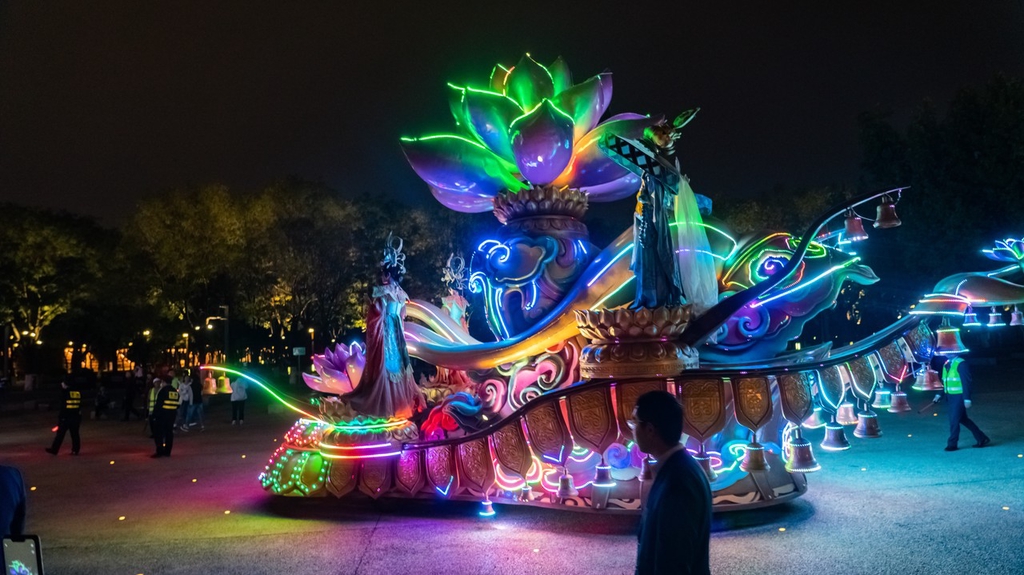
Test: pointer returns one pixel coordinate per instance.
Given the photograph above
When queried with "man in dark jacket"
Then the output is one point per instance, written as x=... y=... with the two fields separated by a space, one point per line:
x=956 y=384
x=69 y=419
x=675 y=528
x=12 y=502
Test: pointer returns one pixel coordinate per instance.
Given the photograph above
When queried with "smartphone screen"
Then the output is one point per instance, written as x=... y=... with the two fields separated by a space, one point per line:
x=22 y=557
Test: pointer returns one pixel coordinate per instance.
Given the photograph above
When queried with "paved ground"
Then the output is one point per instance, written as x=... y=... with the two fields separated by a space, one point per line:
x=897 y=504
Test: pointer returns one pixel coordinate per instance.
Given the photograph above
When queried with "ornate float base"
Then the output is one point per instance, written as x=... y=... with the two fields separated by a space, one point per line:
x=635 y=343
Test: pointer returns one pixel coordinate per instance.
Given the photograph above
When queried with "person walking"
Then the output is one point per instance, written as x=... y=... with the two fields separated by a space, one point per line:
x=185 y=398
x=957 y=385
x=131 y=389
x=197 y=410
x=69 y=419
x=675 y=526
x=13 y=501
x=163 y=421
x=238 y=397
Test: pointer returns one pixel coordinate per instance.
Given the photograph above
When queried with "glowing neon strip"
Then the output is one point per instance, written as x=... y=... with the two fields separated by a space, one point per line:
x=445 y=490
x=613 y=260
x=820 y=276
x=372 y=456
x=612 y=294
x=265 y=388
x=348 y=447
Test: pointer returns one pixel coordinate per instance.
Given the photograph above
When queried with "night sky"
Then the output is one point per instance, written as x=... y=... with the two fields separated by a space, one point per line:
x=104 y=103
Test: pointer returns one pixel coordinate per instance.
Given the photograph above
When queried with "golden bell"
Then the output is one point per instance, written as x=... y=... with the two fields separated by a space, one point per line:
x=970 y=318
x=603 y=477
x=801 y=457
x=815 y=420
x=899 y=402
x=704 y=460
x=1016 y=318
x=854 y=230
x=883 y=399
x=835 y=438
x=867 y=425
x=886 y=215
x=948 y=341
x=566 y=489
x=753 y=459
x=921 y=381
x=846 y=415
x=995 y=319
x=646 y=469
x=486 y=508
x=934 y=381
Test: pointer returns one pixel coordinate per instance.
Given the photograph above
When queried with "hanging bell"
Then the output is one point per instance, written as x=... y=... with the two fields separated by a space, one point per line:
x=854 y=230
x=566 y=489
x=921 y=381
x=646 y=469
x=835 y=437
x=867 y=425
x=846 y=415
x=883 y=399
x=704 y=460
x=886 y=215
x=815 y=420
x=995 y=319
x=753 y=459
x=603 y=477
x=525 y=492
x=1016 y=318
x=801 y=457
x=899 y=402
x=486 y=508
x=934 y=381
x=971 y=318
x=948 y=338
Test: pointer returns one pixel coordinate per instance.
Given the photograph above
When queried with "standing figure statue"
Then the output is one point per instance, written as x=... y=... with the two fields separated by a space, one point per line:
x=387 y=388
x=654 y=255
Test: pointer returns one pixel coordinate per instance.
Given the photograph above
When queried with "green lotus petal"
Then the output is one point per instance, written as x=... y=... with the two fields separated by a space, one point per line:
x=490 y=115
x=460 y=165
x=586 y=103
x=560 y=75
x=529 y=83
x=455 y=104
x=498 y=77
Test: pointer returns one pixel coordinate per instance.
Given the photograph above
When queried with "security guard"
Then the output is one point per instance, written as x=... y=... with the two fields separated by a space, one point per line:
x=69 y=418
x=163 y=419
x=957 y=383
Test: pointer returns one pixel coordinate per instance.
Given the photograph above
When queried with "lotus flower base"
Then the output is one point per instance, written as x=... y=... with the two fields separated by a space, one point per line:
x=540 y=201
x=635 y=343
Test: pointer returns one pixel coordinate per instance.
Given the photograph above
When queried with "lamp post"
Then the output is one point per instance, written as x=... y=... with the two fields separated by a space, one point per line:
x=312 y=345
x=226 y=318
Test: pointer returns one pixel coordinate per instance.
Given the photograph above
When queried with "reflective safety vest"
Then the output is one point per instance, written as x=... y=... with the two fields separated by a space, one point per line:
x=171 y=401
x=152 y=399
x=73 y=400
x=951 y=377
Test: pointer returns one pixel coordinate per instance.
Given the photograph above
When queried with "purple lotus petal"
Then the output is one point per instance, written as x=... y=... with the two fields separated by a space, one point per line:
x=561 y=78
x=529 y=83
x=316 y=384
x=355 y=364
x=498 y=77
x=459 y=165
x=586 y=103
x=623 y=187
x=461 y=202
x=490 y=115
x=590 y=166
x=455 y=103
x=542 y=142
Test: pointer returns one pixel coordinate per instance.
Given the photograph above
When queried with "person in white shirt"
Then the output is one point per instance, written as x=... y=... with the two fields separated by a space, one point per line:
x=238 y=397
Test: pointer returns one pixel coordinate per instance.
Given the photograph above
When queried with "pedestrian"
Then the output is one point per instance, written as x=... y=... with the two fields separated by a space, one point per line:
x=102 y=402
x=69 y=419
x=131 y=389
x=675 y=526
x=238 y=397
x=185 y=398
x=197 y=410
x=175 y=382
x=163 y=421
x=154 y=387
x=957 y=385
x=13 y=501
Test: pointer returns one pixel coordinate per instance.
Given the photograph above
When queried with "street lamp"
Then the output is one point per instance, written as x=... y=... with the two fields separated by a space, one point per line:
x=226 y=318
x=312 y=345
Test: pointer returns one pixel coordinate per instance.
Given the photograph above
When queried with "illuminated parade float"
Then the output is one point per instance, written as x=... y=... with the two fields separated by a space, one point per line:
x=677 y=302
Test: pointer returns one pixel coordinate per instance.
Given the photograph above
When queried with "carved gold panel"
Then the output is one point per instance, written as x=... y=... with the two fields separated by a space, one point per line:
x=626 y=395
x=830 y=387
x=409 y=475
x=511 y=449
x=591 y=418
x=795 y=395
x=703 y=407
x=863 y=378
x=375 y=476
x=476 y=469
x=893 y=363
x=752 y=397
x=342 y=477
x=441 y=474
x=549 y=436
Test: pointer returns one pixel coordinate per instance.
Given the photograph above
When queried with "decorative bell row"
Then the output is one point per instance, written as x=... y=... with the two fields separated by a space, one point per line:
x=885 y=218
x=948 y=338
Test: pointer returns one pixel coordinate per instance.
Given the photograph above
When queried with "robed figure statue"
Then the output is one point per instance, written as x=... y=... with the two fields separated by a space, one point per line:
x=387 y=388
x=654 y=255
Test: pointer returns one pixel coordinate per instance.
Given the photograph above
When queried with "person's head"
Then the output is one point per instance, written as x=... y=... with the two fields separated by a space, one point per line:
x=157 y=382
x=657 y=422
